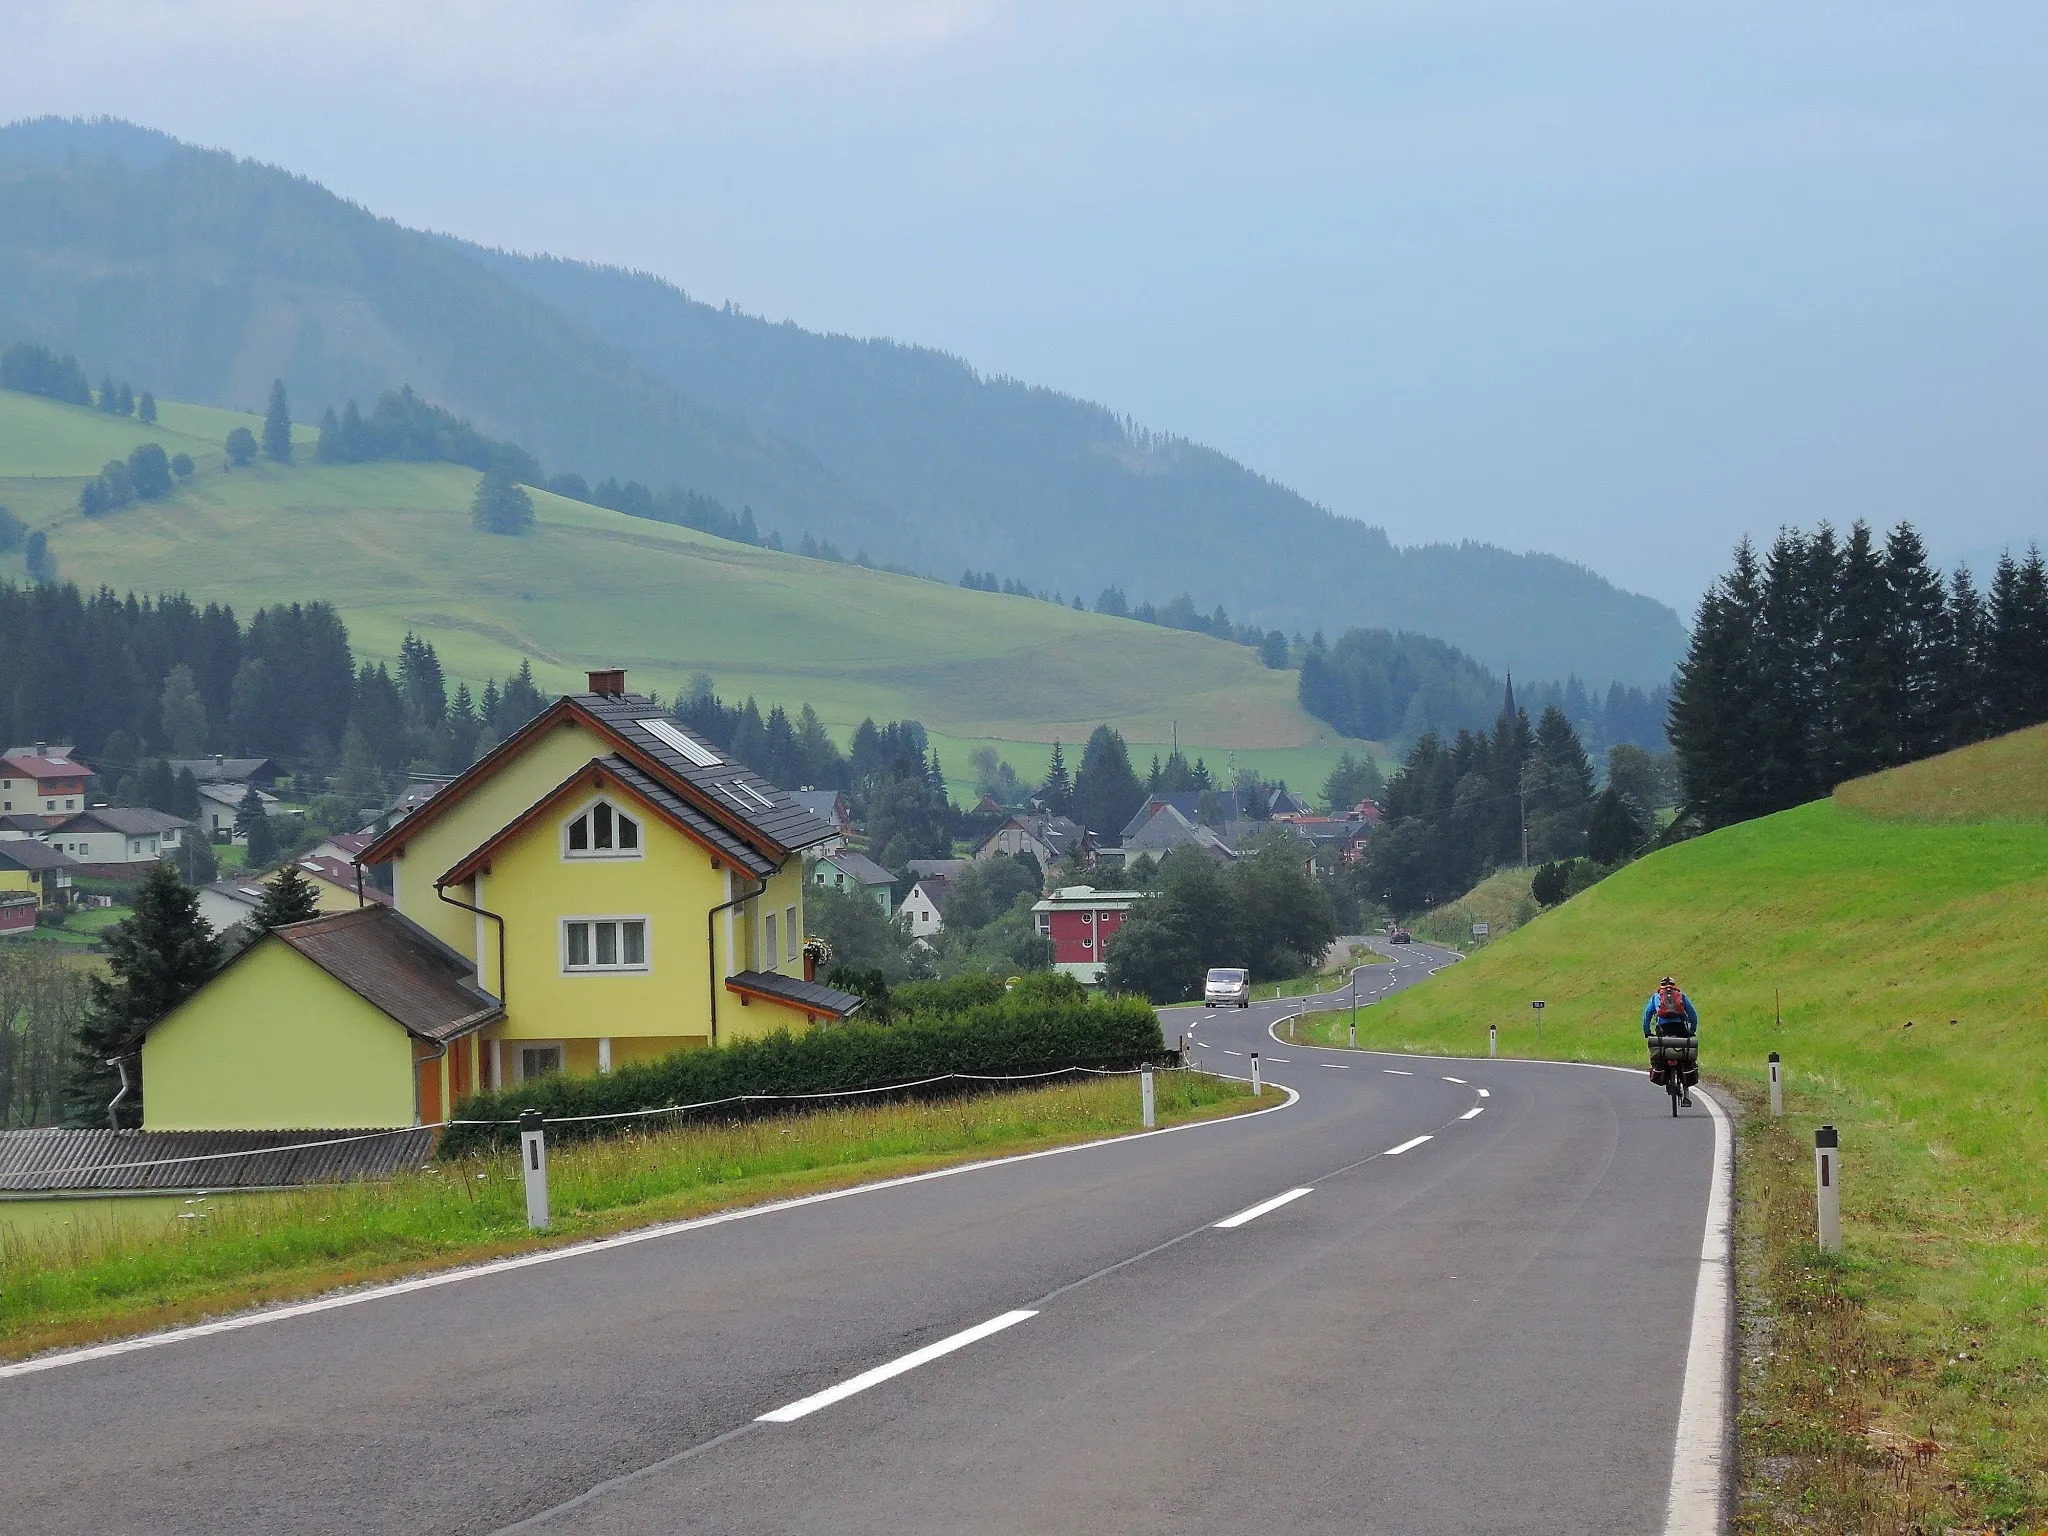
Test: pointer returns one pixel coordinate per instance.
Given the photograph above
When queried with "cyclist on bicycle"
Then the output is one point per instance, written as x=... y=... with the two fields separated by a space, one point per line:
x=1669 y=1012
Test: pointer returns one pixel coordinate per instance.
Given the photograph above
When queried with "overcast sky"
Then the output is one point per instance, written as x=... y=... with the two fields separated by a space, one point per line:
x=1615 y=280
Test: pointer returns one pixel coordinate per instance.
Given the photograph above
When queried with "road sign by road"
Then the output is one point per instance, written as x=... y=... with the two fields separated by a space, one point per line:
x=1537 y=1005
x=1480 y=930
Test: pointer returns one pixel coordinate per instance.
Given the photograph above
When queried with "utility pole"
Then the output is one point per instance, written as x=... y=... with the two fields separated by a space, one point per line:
x=1523 y=790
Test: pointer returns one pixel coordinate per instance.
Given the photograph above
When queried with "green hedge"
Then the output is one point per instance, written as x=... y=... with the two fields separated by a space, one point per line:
x=1041 y=1026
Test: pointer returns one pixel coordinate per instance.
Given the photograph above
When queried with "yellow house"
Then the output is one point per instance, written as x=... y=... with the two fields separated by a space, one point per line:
x=34 y=868
x=616 y=888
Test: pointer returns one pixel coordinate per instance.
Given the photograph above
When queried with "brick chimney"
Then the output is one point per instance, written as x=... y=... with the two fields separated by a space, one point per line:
x=608 y=684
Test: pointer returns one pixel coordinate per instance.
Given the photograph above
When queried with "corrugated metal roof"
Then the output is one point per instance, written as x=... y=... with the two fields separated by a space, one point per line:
x=51 y=1160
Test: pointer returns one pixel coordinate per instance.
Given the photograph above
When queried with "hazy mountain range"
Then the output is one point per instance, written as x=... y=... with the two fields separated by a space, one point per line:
x=202 y=277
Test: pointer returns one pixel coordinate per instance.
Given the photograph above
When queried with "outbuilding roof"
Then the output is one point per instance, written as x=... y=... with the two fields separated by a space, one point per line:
x=225 y=770
x=45 y=1160
x=396 y=965
x=811 y=996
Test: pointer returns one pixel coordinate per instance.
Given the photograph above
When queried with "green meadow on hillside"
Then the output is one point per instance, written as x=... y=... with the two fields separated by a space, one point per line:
x=1909 y=955
x=391 y=546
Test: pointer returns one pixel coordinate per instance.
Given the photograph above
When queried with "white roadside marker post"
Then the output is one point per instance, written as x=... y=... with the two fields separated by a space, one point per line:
x=1827 y=1173
x=1258 y=1088
x=533 y=1158
x=1145 y=1097
x=1493 y=1039
x=1777 y=1090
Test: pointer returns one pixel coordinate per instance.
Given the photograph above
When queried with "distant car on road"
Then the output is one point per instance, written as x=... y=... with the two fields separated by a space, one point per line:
x=1227 y=987
x=1400 y=936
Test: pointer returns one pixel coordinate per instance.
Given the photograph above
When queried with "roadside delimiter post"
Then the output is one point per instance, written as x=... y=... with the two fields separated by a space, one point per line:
x=1145 y=1097
x=1827 y=1174
x=1777 y=1090
x=1493 y=1039
x=1258 y=1088
x=533 y=1159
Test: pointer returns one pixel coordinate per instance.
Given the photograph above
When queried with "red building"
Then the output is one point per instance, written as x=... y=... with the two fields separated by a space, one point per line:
x=41 y=780
x=1081 y=921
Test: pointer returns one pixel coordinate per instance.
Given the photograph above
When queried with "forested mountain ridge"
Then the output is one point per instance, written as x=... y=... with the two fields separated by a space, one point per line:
x=208 y=276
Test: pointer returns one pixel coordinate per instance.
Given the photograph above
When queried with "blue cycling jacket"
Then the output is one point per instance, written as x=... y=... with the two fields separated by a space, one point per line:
x=1692 y=1018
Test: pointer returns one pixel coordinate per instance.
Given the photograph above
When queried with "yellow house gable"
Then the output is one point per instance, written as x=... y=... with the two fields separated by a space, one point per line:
x=275 y=1043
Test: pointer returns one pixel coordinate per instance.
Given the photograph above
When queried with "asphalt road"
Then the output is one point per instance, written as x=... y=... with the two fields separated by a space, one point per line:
x=1486 y=1330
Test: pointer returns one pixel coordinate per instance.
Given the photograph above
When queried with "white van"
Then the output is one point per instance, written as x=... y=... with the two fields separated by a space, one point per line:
x=1227 y=988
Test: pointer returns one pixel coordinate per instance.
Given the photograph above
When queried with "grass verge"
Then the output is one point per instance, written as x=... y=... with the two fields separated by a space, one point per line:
x=99 y=1281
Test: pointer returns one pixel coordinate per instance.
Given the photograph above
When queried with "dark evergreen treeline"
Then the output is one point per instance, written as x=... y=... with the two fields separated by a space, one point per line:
x=126 y=681
x=1833 y=657
x=1478 y=802
x=1384 y=685
x=404 y=427
x=37 y=370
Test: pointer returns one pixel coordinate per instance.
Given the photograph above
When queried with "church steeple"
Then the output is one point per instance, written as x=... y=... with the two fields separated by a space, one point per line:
x=1507 y=707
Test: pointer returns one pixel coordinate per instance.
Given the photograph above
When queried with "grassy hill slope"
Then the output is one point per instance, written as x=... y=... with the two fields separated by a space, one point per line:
x=392 y=547
x=202 y=276
x=1910 y=951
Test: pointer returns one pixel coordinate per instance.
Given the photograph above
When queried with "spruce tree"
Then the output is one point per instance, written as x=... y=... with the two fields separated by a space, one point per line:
x=262 y=850
x=110 y=397
x=1859 y=683
x=501 y=504
x=1712 y=715
x=289 y=898
x=145 y=409
x=277 y=425
x=1963 y=665
x=158 y=956
x=1917 y=664
x=1058 y=790
x=1106 y=791
x=249 y=812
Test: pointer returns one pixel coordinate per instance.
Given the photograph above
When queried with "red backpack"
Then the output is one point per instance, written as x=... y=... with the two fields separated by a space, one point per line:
x=1670 y=1002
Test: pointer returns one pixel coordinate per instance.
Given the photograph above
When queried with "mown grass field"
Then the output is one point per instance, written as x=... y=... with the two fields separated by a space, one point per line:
x=1904 y=1386
x=392 y=547
x=100 y=1278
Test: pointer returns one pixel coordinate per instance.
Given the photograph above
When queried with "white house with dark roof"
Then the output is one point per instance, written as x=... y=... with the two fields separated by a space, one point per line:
x=924 y=909
x=117 y=835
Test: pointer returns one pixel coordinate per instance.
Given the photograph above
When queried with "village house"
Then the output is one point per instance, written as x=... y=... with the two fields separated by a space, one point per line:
x=227 y=902
x=220 y=804
x=31 y=868
x=924 y=909
x=850 y=871
x=1165 y=830
x=1081 y=921
x=116 y=841
x=601 y=888
x=41 y=780
x=1048 y=839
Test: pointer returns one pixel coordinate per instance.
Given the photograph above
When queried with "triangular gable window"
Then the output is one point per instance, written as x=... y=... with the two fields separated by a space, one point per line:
x=601 y=831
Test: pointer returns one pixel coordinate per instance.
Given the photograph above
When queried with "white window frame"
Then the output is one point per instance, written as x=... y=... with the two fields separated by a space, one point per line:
x=603 y=855
x=647 y=942
x=791 y=942
x=768 y=940
x=520 y=1047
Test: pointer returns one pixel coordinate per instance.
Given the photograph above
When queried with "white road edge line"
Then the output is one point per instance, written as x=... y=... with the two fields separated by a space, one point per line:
x=627 y=1239
x=1473 y=1113
x=1699 y=1461
x=1406 y=1146
x=1264 y=1206
x=808 y=1405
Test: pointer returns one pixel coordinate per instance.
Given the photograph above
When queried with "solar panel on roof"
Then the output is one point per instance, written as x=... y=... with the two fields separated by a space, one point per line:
x=669 y=736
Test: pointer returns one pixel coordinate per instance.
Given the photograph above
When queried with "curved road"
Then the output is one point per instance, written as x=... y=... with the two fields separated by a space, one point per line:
x=1482 y=1331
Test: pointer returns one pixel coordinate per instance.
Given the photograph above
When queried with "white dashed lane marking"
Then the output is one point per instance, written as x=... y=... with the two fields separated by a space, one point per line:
x=1396 y=1072
x=1477 y=1109
x=1262 y=1207
x=1406 y=1146
x=894 y=1368
x=1458 y=1080
x=1482 y=1093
